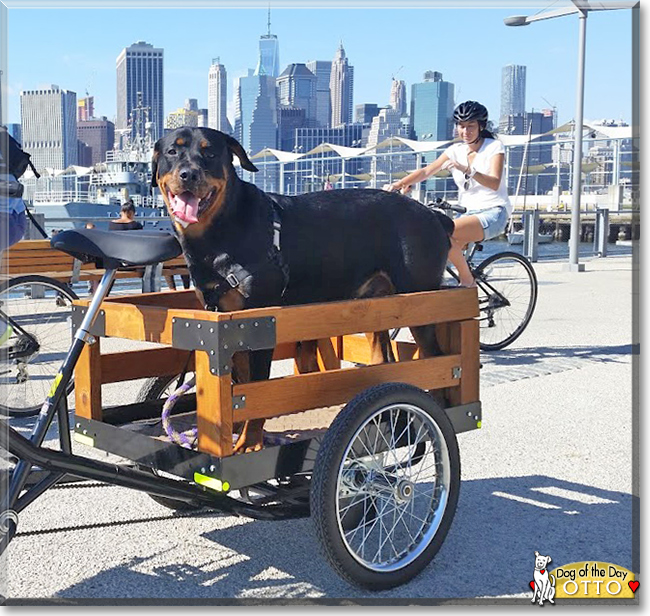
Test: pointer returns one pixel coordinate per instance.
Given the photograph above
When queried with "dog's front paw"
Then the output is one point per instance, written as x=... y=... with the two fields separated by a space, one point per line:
x=251 y=438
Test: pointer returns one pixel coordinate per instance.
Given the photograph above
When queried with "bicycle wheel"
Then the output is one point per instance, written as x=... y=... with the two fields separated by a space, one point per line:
x=39 y=311
x=507 y=291
x=385 y=486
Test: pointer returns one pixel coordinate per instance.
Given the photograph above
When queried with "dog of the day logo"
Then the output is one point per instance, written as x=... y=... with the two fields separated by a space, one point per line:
x=581 y=580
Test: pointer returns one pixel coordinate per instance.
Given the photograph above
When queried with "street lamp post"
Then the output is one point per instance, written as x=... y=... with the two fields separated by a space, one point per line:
x=581 y=8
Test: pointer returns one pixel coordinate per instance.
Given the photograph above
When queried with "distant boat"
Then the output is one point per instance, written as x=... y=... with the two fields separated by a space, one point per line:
x=517 y=237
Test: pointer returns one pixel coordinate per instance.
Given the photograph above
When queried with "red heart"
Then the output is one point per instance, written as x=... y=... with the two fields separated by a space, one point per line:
x=542 y=571
x=633 y=585
x=532 y=585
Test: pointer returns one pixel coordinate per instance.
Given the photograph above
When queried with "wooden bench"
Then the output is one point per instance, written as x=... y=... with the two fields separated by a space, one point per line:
x=38 y=257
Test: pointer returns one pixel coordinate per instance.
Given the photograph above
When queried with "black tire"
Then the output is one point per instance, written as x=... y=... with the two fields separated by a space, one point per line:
x=507 y=291
x=358 y=457
x=156 y=388
x=159 y=387
x=26 y=381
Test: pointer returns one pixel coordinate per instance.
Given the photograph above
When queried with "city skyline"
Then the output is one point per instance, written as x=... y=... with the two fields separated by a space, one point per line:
x=375 y=58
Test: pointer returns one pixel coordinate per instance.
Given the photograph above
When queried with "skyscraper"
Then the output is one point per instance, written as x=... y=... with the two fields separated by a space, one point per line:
x=99 y=135
x=49 y=126
x=218 y=97
x=513 y=90
x=398 y=96
x=140 y=70
x=365 y=112
x=432 y=108
x=269 y=60
x=256 y=116
x=323 y=71
x=297 y=88
x=85 y=108
x=341 y=89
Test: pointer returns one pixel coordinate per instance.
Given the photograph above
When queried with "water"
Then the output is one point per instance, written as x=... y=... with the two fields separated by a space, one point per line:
x=554 y=251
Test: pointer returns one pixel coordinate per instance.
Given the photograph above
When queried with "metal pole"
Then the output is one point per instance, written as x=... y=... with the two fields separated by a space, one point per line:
x=574 y=238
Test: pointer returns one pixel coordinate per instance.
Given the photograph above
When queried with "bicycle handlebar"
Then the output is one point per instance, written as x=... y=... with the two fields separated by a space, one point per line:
x=443 y=205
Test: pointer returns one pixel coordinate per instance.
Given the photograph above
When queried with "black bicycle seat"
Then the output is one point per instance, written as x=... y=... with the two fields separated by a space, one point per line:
x=117 y=247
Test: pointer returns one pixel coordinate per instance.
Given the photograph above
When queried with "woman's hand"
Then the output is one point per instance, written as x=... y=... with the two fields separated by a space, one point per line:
x=397 y=186
x=452 y=164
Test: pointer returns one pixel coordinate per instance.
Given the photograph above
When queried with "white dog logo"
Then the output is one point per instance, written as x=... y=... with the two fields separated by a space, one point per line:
x=543 y=584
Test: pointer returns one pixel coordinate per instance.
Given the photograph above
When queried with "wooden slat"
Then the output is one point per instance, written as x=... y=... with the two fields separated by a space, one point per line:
x=327 y=357
x=133 y=365
x=88 y=379
x=31 y=245
x=286 y=350
x=356 y=349
x=214 y=411
x=312 y=322
x=169 y=299
x=292 y=394
x=147 y=323
x=470 y=361
x=41 y=257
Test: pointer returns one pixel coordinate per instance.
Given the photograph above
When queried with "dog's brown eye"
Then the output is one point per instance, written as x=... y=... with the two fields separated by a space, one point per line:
x=171 y=152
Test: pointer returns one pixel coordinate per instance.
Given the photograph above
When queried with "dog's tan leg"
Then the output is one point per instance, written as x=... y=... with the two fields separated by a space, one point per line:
x=381 y=350
x=378 y=285
x=251 y=433
x=306 y=359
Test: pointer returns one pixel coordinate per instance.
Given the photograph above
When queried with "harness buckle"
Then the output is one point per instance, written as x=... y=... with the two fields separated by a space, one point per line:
x=232 y=280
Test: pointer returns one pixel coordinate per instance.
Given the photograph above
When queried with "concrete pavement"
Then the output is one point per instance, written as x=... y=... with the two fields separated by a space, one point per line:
x=551 y=470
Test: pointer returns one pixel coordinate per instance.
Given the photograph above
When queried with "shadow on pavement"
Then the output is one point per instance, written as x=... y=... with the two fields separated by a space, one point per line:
x=489 y=551
x=533 y=355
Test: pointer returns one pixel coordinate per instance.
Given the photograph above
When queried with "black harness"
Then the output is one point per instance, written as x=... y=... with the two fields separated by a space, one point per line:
x=239 y=274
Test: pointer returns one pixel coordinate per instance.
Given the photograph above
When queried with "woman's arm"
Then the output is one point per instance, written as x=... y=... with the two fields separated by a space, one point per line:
x=421 y=174
x=493 y=178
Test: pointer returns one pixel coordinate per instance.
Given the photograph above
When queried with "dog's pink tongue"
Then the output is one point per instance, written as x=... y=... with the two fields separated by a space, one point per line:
x=186 y=207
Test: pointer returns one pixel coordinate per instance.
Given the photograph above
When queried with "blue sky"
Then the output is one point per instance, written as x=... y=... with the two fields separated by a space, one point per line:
x=77 y=48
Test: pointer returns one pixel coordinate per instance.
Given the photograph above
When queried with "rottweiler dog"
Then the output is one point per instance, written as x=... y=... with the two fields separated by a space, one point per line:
x=247 y=249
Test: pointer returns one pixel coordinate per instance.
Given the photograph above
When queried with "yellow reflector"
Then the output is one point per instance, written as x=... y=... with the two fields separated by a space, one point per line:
x=84 y=440
x=211 y=482
x=55 y=384
x=478 y=424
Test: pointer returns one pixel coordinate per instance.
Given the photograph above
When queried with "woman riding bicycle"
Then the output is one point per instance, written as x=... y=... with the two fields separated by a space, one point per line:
x=476 y=164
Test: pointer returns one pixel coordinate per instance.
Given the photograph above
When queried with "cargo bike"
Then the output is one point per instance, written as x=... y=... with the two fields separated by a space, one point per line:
x=381 y=481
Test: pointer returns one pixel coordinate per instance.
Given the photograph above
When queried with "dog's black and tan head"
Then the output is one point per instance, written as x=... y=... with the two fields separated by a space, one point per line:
x=193 y=168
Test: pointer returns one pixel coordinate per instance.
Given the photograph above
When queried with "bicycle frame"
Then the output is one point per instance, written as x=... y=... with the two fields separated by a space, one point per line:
x=494 y=298
x=56 y=402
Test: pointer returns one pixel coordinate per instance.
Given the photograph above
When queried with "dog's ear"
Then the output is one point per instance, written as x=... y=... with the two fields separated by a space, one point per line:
x=235 y=148
x=154 y=165
x=536 y=553
x=549 y=559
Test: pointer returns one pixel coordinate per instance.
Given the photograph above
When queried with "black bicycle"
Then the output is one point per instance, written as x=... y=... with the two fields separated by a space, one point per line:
x=507 y=291
x=36 y=312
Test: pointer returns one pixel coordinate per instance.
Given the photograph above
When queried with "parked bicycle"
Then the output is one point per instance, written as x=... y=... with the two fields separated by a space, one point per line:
x=507 y=291
x=37 y=313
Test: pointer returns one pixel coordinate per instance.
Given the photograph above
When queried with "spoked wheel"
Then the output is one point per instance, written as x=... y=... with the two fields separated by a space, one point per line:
x=385 y=486
x=39 y=311
x=159 y=387
x=507 y=292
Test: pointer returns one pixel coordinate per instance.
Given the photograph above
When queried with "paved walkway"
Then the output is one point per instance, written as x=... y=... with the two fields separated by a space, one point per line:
x=551 y=470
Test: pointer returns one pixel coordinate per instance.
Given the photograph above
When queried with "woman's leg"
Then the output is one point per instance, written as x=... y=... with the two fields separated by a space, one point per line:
x=467 y=229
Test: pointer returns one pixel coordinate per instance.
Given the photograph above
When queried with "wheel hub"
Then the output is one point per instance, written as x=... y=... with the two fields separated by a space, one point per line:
x=404 y=491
